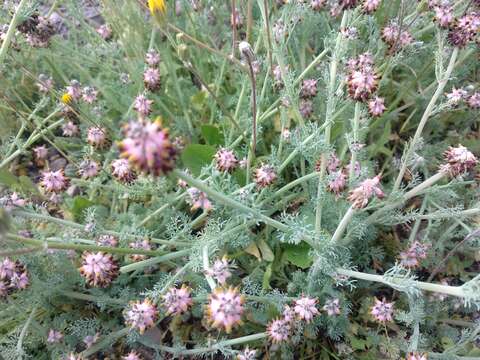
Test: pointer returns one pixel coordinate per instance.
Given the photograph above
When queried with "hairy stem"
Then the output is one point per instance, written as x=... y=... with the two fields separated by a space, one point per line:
x=11 y=30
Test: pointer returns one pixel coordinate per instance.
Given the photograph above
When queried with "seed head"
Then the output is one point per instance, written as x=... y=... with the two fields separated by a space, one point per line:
x=309 y=88
x=151 y=79
x=473 y=101
x=89 y=94
x=376 y=106
x=107 y=240
x=220 y=270
x=88 y=169
x=152 y=58
x=70 y=129
x=369 y=6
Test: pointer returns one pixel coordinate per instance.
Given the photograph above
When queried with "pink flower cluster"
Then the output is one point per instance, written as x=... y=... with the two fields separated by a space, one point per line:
x=265 y=175
x=98 y=269
x=54 y=181
x=456 y=96
x=360 y=196
x=412 y=256
x=177 y=301
x=220 y=270
x=122 y=171
x=459 y=160
x=226 y=160
x=382 y=310
x=141 y=315
x=198 y=200
x=13 y=276
x=396 y=37
x=225 y=308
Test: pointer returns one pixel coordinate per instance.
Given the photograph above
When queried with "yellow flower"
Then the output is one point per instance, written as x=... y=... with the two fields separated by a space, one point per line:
x=157 y=6
x=66 y=98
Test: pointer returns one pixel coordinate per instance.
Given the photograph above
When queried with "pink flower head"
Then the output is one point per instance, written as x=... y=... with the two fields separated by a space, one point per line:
x=70 y=129
x=444 y=15
x=347 y=4
x=338 y=182
x=382 y=310
x=332 y=307
x=97 y=136
x=7 y=269
x=122 y=170
x=289 y=314
x=464 y=30
x=140 y=244
x=141 y=315
x=369 y=6
x=236 y=18
x=349 y=32
x=9 y=202
x=54 y=181
x=226 y=160
x=309 y=88
x=89 y=94
x=393 y=36
x=40 y=152
x=19 y=280
x=225 y=308
x=279 y=331
x=411 y=257
x=143 y=105
x=90 y=340
x=306 y=108
x=362 y=79
x=220 y=270
x=152 y=58
x=177 y=301
x=473 y=101
x=416 y=356
x=44 y=83
x=198 y=200
x=88 y=169
x=376 y=106
x=247 y=354
x=13 y=276
x=305 y=308
x=265 y=175
x=147 y=146
x=459 y=161
x=104 y=31
x=132 y=355
x=360 y=196
x=98 y=269
x=317 y=5
x=74 y=90
x=54 y=336
x=107 y=240
x=456 y=95
x=151 y=79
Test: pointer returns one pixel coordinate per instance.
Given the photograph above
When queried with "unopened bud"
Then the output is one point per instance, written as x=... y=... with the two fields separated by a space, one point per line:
x=246 y=51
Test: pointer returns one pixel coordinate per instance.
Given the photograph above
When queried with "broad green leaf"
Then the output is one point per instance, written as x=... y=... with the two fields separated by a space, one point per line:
x=196 y=156
x=267 y=253
x=212 y=135
x=298 y=255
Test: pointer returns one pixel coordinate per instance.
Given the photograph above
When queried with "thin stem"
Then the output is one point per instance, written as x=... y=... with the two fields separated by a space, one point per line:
x=234 y=28
x=23 y=333
x=426 y=115
x=328 y=120
x=443 y=289
x=343 y=224
x=21 y=251
x=153 y=261
x=11 y=31
x=269 y=36
x=161 y=209
x=355 y=126
x=206 y=268
x=424 y=185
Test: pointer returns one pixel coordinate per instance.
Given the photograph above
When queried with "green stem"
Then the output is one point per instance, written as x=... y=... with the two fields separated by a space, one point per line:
x=343 y=224
x=426 y=115
x=11 y=31
x=153 y=261
x=355 y=126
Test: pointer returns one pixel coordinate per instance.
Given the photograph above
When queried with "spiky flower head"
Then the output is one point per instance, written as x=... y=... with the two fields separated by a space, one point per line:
x=143 y=105
x=157 y=6
x=220 y=270
x=382 y=310
x=247 y=354
x=305 y=308
x=226 y=160
x=141 y=315
x=225 y=308
x=279 y=331
x=89 y=94
x=70 y=129
x=360 y=196
x=265 y=175
x=151 y=79
x=40 y=152
x=456 y=95
x=107 y=240
x=97 y=136
x=309 y=88
x=376 y=106
x=416 y=356
x=337 y=182
x=54 y=336
x=177 y=301
x=140 y=244
x=132 y=355
x=473 y=101
x=54 y=181
x=396 y=37
x=13 y=276
x=74 y=90
x=98 y=269
x=105 y=32
x=198 y=200
x=362 y=79
x=412 y=256
x=459 y=161
x=148 y=147
x=332 y=307
x=369 y=6
x=152 y=58
x=306 y=108
x=88 y=169
x=444 y=15
x=122 y=170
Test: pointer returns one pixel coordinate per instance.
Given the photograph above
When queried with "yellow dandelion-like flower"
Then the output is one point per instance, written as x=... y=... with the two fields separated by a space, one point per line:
x=66 y=98
x=157 y=6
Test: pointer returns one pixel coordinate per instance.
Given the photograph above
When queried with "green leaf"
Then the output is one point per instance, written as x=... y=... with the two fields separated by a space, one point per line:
x=212 y=135
x=27 y=185
x=267 y=253
x=298 y=255
x=358 y=344
x=6 y=178
x=196 y=156
x=78 y=206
